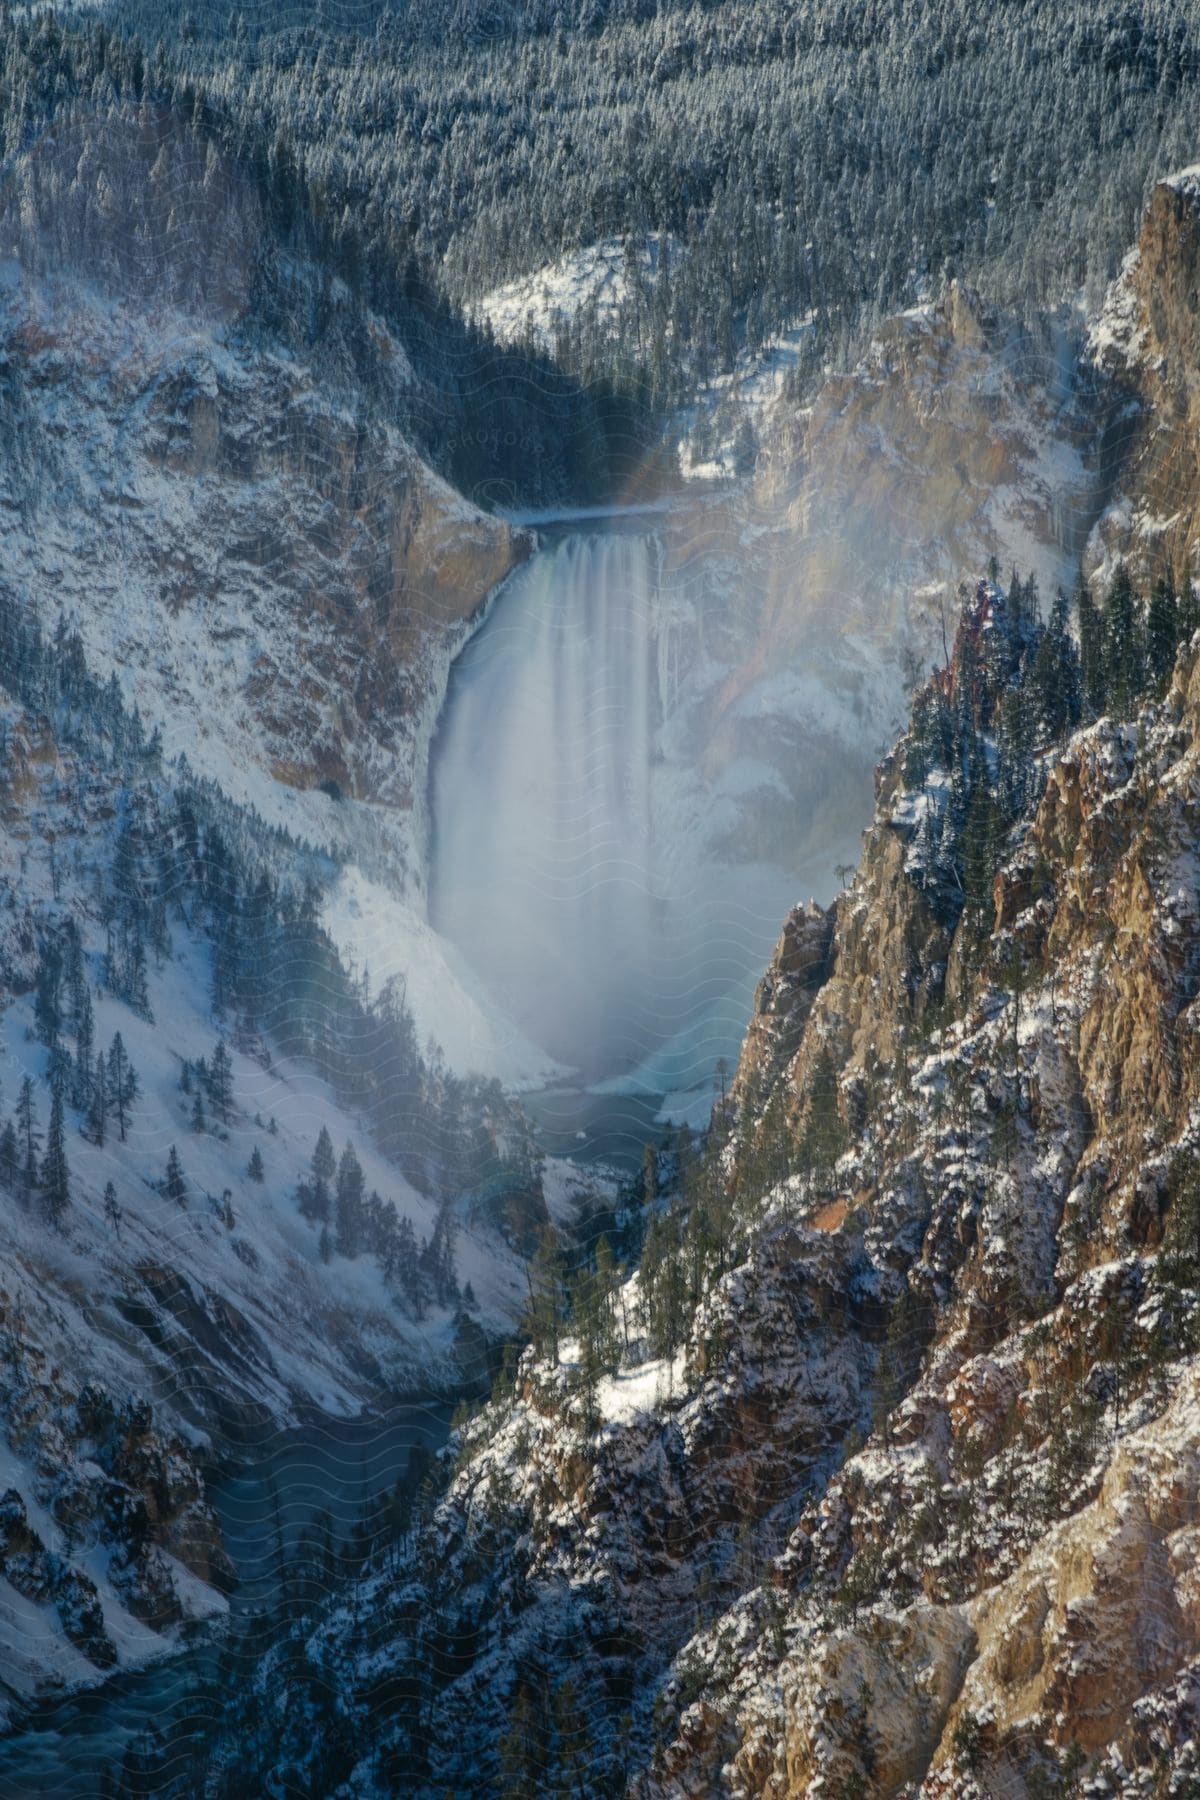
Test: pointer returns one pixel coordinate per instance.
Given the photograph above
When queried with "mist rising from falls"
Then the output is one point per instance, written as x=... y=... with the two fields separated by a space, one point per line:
x=543 y=868
x=572 y=861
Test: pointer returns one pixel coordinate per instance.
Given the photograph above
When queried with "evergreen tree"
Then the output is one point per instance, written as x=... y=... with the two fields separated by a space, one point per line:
x=199 y=1121
x=47 y=1005
x=982 y=846
x=1092 y=672
x=85 y=1040
x=220 y=1082
x=438 y=1260
x=30 y=1138
x=350 y=1192
x=524 y=1748
x=137 y=985
x=254 y=1168
x=1124 y=647
x=97 y=1113
x=56 y=1181
x=175 y=1184
x=546 y=1279
x=10 y=1156
x=122 y=1084
x=1056 y=701
x=112 y=1208
x=1162 y=635
x=315 y=1195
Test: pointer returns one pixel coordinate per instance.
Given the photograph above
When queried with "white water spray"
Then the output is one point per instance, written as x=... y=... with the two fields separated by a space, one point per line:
x=582 y=857
x=544 y=866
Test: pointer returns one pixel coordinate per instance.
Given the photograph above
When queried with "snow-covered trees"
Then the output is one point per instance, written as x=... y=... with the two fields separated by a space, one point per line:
x=175 y=1182
x=28 y=1136
x=122 y=1084
x=349 y=1206
x=425 y=166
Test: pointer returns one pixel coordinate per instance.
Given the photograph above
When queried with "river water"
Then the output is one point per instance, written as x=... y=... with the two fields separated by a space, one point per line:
x=74 y=1748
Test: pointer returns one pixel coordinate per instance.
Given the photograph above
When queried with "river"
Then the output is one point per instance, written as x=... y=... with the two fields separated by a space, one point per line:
x=74 y=1748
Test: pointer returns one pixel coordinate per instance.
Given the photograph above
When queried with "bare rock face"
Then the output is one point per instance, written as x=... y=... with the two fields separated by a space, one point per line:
x=99 y=1474
x=1102 y=1613
x=784 y=997
x=1148 y=342
x=247 y=546
x=957 y=438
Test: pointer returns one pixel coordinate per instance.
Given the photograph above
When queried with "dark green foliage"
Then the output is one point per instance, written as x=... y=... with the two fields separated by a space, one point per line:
x=27 y=1133
x=461 y=145
x=56 y=1180
x=1124 y=647
x=122 y=1084
x=1055 y=682
x=175 y=1182
x=1092 y=674
x=10 y=1156
x=1162 y=635
x=350 y=1203
x=220 y=1082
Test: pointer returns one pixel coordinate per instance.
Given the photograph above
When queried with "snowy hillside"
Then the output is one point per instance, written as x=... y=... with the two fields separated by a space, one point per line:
x=203 y=1237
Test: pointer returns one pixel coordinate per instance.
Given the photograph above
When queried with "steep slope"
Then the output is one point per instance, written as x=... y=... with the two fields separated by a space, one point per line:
x=210 y=466
x=879 y=1475
x=1145 y=341
x=182 y=1277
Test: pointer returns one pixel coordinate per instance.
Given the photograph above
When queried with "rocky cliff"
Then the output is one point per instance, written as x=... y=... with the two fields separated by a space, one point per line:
x=1145 y=342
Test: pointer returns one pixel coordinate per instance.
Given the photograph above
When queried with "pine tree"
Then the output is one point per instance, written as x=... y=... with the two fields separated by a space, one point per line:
x=122 y=1084
x=324 y=1163
x=97 y=1114
x=1092 y=677
x=1124 y=647
x=523 y=1748
x=1162 y=635
x=349 y=1204
x=56 y=1180
x=47 y=1006
x=138 y=983
x=254 y=1168
x=112 y=1208
x=199 y=1122
x=546 y=1282
x=1055 y=678
x=10 y=1156
x=30 y=1138
x=220 y=1082
x=439 y=1255
x=85 y=1039
x=982 y=846
x=175 y=1184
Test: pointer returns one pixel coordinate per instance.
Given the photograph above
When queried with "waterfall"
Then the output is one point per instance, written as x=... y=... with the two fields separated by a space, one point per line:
x=543 y=869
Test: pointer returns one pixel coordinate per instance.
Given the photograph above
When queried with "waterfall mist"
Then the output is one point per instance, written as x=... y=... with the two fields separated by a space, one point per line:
x=543 y=862
x=583 y=858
